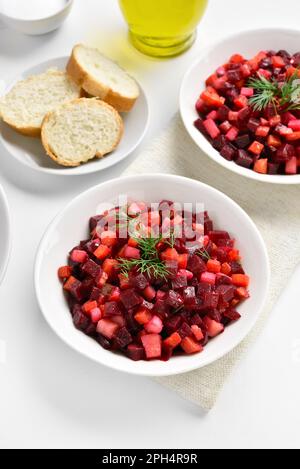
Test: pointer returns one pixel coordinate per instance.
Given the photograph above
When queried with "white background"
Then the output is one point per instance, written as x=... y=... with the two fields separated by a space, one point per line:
x=52 y=397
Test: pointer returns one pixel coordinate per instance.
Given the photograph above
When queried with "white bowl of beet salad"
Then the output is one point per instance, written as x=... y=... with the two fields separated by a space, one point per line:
x=241 y=104
x=166 y=278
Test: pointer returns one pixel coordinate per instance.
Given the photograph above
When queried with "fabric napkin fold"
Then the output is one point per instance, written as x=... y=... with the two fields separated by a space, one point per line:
x=276 y=211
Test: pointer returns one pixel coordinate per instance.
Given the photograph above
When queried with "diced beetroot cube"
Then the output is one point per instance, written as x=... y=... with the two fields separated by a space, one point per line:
x=181 y=281
x=213 y=115
x=122 y=338
x=208 y=277
x=243 y=141
x=211 y=128
x=132 y=253
x=96 y=315
x=233 y=116
x=285 y=152
x=130 y=299
x=295 y=125
x=138 y=281
x=149 y=293
x=241 y=102
x=232 y=315
x=217 y=235
x=154 y=326
x=225 y=127
x=172 y=268
x=291 y=166
x=211 y=300
x=91 y=268
x=79 y=256
x=189 y=295
x=173 y=323
x=174 y=299
x=112 y=308
x=75 y=288
x=213 y=327
x=234 y=75
x=199 y=124
x=152 y=344
x=226 y=292
x=253 y=124
x=190 y=346
x=80 y=320
x=135 y=352
x=228 y=152
x=185 y=330
x=248 y=92
x=223 y=279
x=273 y=168
x=232 y=134
x=107 y=328
x=223 y=112
x=196 y=264
x=244 y=159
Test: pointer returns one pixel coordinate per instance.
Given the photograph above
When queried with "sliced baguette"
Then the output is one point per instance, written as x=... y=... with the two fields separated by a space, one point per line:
x=26 y=105
x=80 y=131
x=102 y=78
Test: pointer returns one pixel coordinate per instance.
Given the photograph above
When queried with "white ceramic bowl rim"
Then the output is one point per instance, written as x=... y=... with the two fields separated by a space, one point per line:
x=160 y=179
x=9 y=241
x=210 y=151
x=36 y=20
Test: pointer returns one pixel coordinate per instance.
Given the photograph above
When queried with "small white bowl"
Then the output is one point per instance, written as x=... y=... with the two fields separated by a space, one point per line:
x=39 y=26
x=71 y=226
x=5 y=234
x=247 y=43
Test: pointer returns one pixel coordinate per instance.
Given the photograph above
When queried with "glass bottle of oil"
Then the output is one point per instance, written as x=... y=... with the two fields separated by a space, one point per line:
x=163 y=28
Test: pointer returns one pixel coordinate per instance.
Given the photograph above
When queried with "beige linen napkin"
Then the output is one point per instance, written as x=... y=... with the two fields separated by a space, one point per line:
x=276 y=211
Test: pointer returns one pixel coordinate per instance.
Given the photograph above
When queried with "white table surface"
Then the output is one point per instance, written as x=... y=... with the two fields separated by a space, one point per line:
x=52 y=397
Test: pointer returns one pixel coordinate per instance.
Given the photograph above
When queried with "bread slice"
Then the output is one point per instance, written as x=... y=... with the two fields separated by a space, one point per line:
x=26 y=105
x=102 y=78
x=80 y=131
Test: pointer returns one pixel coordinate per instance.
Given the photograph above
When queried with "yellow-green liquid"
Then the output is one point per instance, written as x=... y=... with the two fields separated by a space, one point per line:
x=163 y=28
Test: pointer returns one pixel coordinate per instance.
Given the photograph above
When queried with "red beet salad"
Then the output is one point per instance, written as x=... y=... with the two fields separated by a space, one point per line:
x=250 y=112
x=154 y=283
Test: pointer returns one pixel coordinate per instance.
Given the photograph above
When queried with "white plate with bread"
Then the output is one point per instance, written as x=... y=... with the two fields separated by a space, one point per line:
x=73 y=115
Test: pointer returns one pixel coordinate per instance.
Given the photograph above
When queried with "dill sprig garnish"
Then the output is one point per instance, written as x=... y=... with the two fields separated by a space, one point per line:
x=149 y=263
x=283 y=96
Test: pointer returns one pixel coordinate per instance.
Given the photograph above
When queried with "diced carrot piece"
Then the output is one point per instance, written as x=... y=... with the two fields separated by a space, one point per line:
x=183 y=261
x=133 y=243
x=262 y=131
x=189 y=346
x=278 y=61
x=213 y=266
x=102 y=252
x=89 y=306
x=241 y=102
x=226 y=268
x=124 y=282
x=109 y=238
x=173 y=341
x=234 y=255
x=242 y=293
x=68 y=285
x=64 y=272
x=274 y=141
x=211 y=98
x=109 y=266
x=261 y=166
x=143 y=316
x=256 y=148
x=240 y=280
x=170 y=254
x=237 y=59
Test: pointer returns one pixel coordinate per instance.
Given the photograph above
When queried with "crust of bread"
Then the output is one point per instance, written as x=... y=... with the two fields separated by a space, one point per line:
x=34 y=132
x=95 y=88
x=98 y=155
